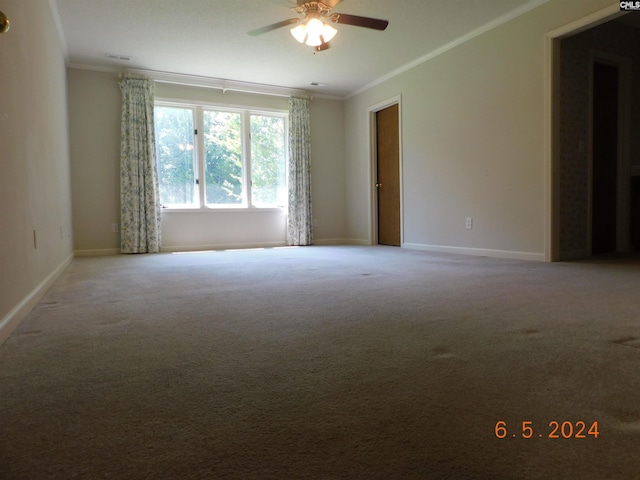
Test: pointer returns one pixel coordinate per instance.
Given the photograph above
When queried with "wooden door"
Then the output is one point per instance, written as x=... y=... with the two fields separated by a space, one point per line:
x=388 y=175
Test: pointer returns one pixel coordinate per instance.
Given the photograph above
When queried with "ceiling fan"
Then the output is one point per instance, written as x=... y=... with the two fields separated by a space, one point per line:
x=313 y=26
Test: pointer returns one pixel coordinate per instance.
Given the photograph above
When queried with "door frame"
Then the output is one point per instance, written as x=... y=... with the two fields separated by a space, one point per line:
x=552 y=122
x=373 y=166
x=623 y=198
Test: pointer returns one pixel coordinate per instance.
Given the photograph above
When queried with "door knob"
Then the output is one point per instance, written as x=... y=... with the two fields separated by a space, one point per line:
x=378 y=185
x=4 y=23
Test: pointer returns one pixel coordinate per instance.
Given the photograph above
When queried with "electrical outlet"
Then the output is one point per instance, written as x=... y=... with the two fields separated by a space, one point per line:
x=468 y=223
x=115 y=228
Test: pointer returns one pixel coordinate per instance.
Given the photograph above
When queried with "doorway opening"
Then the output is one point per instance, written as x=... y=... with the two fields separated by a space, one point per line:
x=589 y=174
x=609 y=162
x=604 y=161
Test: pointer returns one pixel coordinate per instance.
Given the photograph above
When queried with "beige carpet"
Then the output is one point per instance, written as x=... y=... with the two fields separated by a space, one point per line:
x=325 y=363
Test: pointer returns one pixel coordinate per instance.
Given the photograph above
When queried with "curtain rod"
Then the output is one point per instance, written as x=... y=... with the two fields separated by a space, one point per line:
x=216 y=83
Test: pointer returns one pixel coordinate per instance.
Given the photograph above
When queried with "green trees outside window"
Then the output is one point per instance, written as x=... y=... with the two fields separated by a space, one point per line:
x=237 y=148
x=268 y=171
x=223 y=158
x=175 y=155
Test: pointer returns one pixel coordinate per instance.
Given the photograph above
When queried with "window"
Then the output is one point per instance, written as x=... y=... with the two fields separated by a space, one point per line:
x=216 y=158
x=175 y=154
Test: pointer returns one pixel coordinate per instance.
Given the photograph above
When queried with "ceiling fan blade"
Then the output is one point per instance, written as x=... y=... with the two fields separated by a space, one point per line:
x=367 y=22
x=274 y=26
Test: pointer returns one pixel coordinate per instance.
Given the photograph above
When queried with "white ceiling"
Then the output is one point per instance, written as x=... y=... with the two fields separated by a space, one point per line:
x=208 y=38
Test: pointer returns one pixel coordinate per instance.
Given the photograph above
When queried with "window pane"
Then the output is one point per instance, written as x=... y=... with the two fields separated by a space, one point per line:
x=268 y=161
x=175 y=156
x=223 y=158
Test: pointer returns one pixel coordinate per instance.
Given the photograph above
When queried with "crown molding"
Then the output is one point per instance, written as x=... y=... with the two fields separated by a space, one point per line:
x=198 y=81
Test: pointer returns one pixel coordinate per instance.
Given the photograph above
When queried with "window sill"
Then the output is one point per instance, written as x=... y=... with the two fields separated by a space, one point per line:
x=225 y=210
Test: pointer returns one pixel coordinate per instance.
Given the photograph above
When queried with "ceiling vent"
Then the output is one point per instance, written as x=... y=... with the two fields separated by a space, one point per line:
x=115 y=56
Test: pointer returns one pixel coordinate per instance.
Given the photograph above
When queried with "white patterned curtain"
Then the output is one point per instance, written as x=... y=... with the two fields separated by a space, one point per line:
x=299 y=218
x=139 y=192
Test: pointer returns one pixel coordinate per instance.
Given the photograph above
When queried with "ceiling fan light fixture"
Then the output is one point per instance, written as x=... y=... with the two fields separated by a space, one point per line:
x=310 y=27
x=299 y=32
x=314 y=32
x=328 y=32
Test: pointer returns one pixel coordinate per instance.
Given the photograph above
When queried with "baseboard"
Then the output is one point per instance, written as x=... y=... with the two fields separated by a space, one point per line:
x=340 y=241
x=357 y=241
x=239 y=246
x=97 y=252
x=12 y=319
x=220 y=246
x=478 y=252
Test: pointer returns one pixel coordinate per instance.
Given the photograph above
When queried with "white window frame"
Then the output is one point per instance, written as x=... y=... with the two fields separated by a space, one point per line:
x=198 y=109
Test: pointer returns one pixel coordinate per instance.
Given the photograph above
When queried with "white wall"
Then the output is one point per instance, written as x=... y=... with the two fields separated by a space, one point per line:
x=94 y=118
x=327 y=171
x=473 y=141
x=95 y=106
x=35 y=187
x=202 y=230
